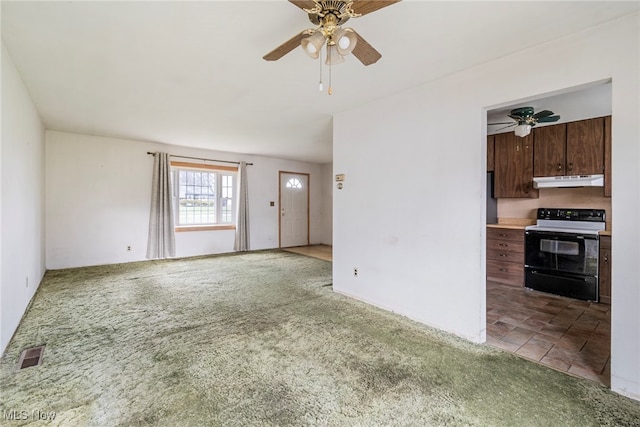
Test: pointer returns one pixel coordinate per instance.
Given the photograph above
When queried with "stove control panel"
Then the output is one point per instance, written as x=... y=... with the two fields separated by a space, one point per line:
x=563 y=214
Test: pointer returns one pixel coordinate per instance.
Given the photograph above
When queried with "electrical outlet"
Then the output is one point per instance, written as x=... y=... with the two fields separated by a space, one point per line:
x=355 y=271
x=128 y=248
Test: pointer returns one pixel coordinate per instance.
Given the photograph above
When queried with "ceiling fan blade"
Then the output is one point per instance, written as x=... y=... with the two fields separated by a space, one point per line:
x=365 y=52
x=543 y=113
x=285 y=47
x=506 y=127
x=501 y=123
x=303 y=4
x=364 y=7
x=548 y=119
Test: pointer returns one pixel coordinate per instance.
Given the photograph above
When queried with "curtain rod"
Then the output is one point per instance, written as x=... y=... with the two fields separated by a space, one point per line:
x=198 y=158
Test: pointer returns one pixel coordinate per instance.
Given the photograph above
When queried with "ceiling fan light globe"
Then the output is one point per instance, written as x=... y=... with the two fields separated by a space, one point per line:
x=312 y=44
x=345 y=40
x=333 y=56
x=522 y=130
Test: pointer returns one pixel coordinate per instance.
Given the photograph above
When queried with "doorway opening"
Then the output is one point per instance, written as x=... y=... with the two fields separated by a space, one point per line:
x=566 y=334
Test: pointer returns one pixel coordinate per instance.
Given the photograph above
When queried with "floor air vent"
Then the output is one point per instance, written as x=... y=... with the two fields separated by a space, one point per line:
x=31 y=357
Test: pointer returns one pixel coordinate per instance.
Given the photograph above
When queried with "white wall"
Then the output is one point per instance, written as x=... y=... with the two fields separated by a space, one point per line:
x=327 y=203
x=412 y=217
x=98 y=197
x=22 y=203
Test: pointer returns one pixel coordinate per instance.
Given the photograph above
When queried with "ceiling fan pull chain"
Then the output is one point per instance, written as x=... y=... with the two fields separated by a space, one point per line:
x=330 y=90
x=320 y=61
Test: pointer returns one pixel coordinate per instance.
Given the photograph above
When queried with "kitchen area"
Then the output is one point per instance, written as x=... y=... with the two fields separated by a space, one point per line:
x=549 y=231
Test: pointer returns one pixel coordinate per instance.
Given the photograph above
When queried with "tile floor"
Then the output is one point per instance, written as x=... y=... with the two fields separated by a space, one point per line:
x=569 y=335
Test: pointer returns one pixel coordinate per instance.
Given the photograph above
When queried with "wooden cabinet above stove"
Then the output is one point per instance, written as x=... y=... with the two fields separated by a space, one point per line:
x=574 y=148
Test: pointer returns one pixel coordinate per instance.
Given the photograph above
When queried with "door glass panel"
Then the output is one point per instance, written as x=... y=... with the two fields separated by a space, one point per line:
x=294 y=183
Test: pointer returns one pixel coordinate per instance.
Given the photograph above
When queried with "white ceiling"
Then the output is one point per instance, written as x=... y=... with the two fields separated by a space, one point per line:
x=192 y=73
x=581 y=103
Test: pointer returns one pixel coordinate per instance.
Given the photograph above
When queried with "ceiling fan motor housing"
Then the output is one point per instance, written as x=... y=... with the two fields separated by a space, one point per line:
x=328 y=16
x=522 y=112
x=339 y=10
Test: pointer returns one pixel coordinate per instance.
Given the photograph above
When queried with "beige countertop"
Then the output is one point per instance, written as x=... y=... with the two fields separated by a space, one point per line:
x=513 y=223
x=521 y=223
x=507 y=226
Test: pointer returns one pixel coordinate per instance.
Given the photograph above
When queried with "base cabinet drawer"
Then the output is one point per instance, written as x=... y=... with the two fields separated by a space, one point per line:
x=509 y=273
x=505 y=234
x=505 y=256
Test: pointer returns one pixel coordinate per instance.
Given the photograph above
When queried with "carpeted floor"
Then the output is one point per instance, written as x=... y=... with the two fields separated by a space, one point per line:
x=261 y=339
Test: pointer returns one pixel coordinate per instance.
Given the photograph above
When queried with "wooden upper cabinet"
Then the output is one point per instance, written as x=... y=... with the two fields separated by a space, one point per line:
x=513 y=166
x=490 y=153
x=585 y=147
x=574 y=148
x=549 y=149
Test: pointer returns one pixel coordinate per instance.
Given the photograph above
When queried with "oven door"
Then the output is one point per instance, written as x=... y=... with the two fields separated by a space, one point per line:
x=562 y=252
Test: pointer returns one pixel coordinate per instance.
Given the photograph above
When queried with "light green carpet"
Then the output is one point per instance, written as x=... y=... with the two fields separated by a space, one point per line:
x=260 y=339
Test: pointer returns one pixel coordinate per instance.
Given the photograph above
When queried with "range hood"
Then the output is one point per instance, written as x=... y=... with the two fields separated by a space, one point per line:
x=569 y=181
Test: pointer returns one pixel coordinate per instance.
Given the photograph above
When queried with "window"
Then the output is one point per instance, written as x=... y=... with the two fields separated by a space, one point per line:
x=204 y=196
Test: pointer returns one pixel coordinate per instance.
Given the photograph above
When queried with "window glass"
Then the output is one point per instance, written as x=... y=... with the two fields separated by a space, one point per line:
x=203 y=197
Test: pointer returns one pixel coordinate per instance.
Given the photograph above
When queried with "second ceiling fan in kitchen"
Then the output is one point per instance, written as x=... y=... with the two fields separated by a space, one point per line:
x=525 y=118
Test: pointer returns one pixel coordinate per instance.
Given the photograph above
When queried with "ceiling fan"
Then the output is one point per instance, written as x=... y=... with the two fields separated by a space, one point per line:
x=525 y=119
x=328 y=16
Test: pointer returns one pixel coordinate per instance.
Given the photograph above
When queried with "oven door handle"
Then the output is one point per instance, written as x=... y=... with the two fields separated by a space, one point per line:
x=559 y=273
x=561 y=235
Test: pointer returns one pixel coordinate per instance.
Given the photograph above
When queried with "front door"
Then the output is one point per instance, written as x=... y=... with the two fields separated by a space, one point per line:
x=294 y=209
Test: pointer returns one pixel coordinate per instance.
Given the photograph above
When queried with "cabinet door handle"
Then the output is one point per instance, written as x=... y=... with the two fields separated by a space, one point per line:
x=504 y=270
x=570 y=166
x=504 y=245
x=606 y=257
x=559 y=166
x=502 y=234
x=505 y=255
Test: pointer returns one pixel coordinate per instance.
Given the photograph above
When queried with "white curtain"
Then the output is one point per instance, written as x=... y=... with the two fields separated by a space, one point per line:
x=161 y=242
x=242 y=211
